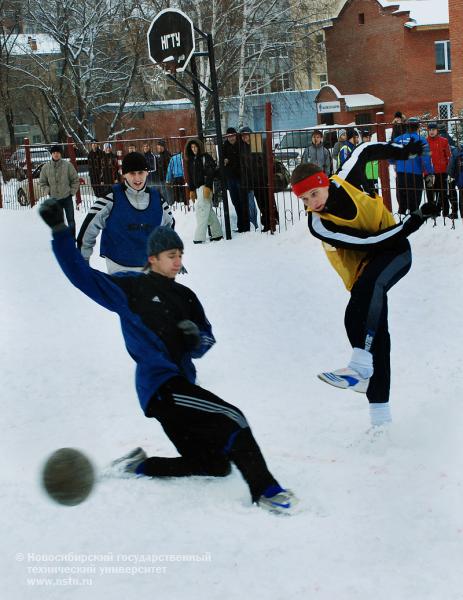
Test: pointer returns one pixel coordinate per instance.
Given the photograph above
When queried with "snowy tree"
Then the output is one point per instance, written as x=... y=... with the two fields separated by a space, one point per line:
x=100 y=48
x=9 y=30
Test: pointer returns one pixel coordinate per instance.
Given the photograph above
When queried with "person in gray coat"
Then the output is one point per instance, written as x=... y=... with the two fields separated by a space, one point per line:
x=59 y=180
x=317 y=154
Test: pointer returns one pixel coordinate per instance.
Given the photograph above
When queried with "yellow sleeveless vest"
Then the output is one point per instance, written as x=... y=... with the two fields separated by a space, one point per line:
x=372 y=216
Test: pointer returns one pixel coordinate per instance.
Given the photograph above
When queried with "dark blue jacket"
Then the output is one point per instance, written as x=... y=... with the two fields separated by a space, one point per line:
x=152 y=339
x=418 y=165
x=124 y=238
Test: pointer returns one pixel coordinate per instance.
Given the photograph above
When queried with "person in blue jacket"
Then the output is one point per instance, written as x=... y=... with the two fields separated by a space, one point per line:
x=175 y=177
x=413 y=172
x=125 y=218
x=164 y=328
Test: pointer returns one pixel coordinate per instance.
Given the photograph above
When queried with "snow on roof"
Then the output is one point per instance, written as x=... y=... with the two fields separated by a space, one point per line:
x=359 y=100
x=422 y=12
x=32 y=43
x=152 y=105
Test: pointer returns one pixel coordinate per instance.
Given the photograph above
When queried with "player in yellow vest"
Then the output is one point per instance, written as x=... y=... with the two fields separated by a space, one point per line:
x=370 y=252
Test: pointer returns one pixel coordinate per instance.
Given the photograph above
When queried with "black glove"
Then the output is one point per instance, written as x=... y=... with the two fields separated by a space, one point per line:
x=52 y=213
x=410 y=150
x=190 y=332
x=428 y=209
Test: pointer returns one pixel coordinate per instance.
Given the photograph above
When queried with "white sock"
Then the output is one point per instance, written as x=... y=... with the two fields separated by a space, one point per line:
x=362 y=362
x=380 y=413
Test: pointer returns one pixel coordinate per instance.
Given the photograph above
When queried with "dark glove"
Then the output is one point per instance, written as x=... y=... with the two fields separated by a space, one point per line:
x=52 y=213
x=428 y=209
x=190 y=332
x=411 y=150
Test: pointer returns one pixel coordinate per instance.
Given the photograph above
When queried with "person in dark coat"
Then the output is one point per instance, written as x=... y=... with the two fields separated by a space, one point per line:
x=255 y=177
x=238 y=193
x=95 y=157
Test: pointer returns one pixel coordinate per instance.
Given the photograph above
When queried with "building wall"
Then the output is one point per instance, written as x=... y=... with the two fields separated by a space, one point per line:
x=158 y=123
x=386 y=59
x=290 y=110
x=456 y=49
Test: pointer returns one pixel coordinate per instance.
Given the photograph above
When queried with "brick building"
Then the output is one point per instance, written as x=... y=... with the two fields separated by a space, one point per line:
x=388 y=56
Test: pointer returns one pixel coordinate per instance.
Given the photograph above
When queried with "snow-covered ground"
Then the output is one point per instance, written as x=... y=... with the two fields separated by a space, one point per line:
x=380 y=521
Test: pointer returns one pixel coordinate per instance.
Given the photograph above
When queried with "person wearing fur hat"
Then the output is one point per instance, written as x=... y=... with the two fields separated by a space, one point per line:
x=165 y=327
x=200 y=169
x=370 y=252
x=125 y=218
x=59 y=180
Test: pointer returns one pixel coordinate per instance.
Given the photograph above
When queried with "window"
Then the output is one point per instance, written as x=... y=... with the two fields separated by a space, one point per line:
x=445 y=110
x=256 y=85
x=323 y=79
x=36 y=139
x=443 y=56
x=361 y=18
x=281 y=83
x=363 y=118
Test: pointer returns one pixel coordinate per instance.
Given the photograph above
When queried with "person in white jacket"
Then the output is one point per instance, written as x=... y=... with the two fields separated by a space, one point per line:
x=200 y=169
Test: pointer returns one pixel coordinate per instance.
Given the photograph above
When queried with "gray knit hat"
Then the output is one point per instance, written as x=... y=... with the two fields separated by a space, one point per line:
x=163 y=238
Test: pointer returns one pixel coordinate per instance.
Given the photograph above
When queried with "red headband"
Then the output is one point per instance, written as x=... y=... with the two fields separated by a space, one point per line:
x=314 y=181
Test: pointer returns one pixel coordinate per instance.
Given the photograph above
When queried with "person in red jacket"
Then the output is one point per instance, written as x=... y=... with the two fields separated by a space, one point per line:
x=437 y=190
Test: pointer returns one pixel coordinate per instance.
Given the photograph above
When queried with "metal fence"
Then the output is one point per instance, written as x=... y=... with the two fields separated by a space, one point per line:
x=264 y=172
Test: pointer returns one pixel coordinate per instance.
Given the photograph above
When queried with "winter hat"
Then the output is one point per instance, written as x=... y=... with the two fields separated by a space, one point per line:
x=56 y=148
x=134 y=161
x=231 y=130
x=245 y=130
x=163 y=238
x=161 y=143
x=432 y=125
x=341 y=132
x=351 y=132
x=398 y=115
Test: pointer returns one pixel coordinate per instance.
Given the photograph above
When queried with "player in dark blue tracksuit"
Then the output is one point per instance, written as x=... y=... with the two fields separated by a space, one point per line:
x=164 y=327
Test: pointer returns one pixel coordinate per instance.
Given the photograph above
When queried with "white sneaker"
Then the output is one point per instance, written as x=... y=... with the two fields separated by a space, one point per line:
x=128 y=463
x=282 y=503
x=346 y=379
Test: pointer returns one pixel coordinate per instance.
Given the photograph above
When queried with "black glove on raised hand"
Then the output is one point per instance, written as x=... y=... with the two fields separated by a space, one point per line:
x=190 y=332
x=427 y=210
x=410 y=150
x=52 y=213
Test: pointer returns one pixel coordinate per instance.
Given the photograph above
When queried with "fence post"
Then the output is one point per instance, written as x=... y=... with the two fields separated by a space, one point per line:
x=119 y=154
x=383 y=165
x=72 y=157
x=27 y=148
x=182 y=144
x=270 y=168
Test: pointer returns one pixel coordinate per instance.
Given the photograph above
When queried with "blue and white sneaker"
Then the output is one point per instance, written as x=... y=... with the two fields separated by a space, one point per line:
x=127 y=464
x=347 y=379
x=281 y=503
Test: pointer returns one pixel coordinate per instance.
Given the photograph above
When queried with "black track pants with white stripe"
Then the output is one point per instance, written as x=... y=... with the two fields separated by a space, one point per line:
x=208 y=434
x=366 y=314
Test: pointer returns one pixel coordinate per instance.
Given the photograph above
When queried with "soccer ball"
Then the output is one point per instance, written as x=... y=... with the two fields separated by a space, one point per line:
x=68 y=476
